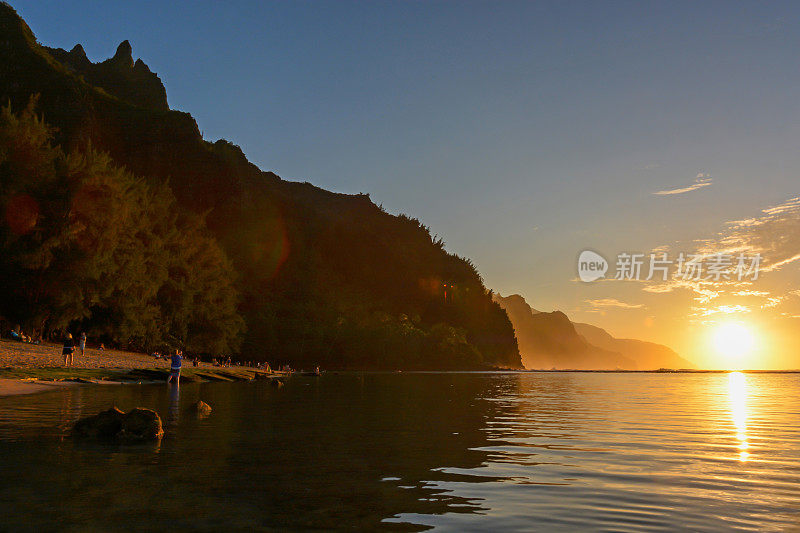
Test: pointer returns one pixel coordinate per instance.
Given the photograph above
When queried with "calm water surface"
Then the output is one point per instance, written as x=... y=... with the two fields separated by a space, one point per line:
x=460 y=452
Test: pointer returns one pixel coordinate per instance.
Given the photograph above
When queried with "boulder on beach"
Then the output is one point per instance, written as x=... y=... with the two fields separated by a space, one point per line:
x=201 y=408
x=137 y=425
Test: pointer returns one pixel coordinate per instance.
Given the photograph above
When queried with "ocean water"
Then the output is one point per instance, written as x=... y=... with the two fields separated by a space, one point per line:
x=413 y=451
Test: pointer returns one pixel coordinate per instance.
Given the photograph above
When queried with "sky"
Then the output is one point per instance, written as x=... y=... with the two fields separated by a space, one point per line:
x=522 y=133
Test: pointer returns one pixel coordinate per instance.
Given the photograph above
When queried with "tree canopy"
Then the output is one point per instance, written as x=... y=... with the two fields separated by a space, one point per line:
x=87 y=244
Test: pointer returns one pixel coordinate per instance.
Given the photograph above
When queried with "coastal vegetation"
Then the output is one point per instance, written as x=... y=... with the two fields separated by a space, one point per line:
x=121 y=220
x=85 y=243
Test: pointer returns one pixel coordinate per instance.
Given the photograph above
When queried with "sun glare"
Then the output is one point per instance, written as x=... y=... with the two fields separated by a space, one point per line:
x=737 y=391
x=733 y=340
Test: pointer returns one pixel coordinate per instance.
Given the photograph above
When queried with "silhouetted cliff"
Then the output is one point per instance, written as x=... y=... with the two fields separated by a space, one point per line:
x=551 y=340
x=647 y=355
x=324 y=277
x=118 y=75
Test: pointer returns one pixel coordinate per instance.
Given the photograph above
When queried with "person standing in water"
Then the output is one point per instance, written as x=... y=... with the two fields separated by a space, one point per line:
x=68 y=350
x=175 y=367
x=82 y=343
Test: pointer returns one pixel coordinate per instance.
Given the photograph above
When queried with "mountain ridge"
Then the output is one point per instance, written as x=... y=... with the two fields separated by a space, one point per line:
x=325 y=277
x=118 y=75
x=552 y=340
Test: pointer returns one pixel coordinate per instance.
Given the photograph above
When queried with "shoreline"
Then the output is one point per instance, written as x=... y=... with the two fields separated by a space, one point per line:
x=18 y=381
x=18 y=387
x=30 y=369
x=33 y=368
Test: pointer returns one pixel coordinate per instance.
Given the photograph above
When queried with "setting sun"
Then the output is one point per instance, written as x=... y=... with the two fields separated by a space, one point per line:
x=733 y=339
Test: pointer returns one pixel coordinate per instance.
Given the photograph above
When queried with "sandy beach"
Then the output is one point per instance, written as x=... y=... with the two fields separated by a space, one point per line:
x=30 y=368
x=23 y=355
x=14 y=387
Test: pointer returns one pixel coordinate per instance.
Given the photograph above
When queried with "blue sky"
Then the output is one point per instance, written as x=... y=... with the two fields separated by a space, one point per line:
x=521 y=132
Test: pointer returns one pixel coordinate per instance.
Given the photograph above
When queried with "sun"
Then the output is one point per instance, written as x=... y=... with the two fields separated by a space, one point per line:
x=733 y=340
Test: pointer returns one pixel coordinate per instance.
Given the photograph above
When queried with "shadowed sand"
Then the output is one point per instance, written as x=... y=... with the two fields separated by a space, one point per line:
x=13 y=387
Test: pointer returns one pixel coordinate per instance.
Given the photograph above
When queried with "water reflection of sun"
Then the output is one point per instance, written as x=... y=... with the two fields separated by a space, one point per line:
x=737 y=392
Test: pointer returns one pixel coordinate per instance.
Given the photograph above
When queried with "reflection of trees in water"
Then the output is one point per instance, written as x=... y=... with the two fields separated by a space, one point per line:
x=325 y=448
x=341 y=451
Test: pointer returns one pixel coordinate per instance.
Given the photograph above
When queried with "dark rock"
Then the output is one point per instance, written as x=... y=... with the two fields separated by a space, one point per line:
x=141 y=424
x=138 y=425
x=124 y=55
x=190 y=378
x=141 y=65
x=120 y=76
x=152 y=374
x=104 y=425
x=276 y=383
x=78 y=54
x=201 y=408
x=212 y=376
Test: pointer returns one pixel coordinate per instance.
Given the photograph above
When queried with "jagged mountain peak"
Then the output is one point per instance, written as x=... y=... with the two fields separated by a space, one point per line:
x=124 y=54
x=78 y=52
x=516 y=300
x=119 y=76
x=141 y=65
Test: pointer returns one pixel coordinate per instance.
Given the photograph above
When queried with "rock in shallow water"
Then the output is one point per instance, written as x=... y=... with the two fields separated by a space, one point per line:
x=201 y=408
x=137 y=425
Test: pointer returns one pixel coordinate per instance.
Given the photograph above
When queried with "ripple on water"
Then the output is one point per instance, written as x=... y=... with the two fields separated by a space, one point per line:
x=459 y=452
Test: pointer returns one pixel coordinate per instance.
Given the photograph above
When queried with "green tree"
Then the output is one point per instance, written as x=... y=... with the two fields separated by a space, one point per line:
x=84 y=240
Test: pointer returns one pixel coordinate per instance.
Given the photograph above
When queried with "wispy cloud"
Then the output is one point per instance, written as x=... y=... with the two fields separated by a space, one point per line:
x=700 y=181
x=775 y=234
x=612 y=302
x=705 y=295
x=772 y=235
x=778 y=264
x=773 y=301
x=751 y=293
x=705 y=290
x=724 y=309
x=658 y=250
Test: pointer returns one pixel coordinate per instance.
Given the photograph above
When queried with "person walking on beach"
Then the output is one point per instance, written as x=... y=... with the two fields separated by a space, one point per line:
x=68 y=350
x=82 y=343
x=175 y=367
